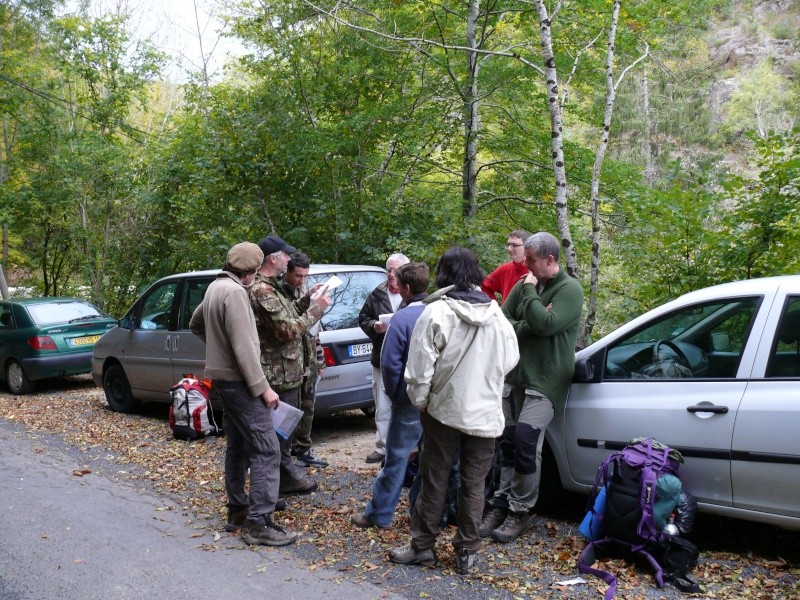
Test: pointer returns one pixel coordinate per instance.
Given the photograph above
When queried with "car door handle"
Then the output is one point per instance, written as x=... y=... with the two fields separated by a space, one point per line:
x=166 y=344
x=720 y=410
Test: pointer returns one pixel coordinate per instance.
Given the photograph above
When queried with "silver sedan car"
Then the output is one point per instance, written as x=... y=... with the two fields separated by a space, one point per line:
x=151 y=348
x=714 y=374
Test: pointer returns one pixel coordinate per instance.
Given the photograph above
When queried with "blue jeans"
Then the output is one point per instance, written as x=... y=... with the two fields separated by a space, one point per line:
x=404 y=434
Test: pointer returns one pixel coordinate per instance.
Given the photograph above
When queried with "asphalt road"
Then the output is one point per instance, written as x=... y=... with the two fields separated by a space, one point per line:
x=86 y=536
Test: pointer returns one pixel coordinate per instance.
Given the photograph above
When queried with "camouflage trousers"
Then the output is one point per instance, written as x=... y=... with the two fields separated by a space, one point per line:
x=302 y=434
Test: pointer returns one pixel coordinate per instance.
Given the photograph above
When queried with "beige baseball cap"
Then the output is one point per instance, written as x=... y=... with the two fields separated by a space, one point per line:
x=245 y=256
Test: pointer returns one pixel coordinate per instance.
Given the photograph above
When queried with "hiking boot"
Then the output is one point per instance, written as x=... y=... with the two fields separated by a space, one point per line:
x=406 y=555
x=309 y=459
x=375 y=457
x=360 y=520
x=265 y=532
x=236 y=518
x=300 y=487
x=465 y=561
x=491 y=521
x=514 y=526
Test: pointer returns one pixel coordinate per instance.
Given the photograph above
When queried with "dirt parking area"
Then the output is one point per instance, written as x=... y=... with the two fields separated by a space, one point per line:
x=738 y=559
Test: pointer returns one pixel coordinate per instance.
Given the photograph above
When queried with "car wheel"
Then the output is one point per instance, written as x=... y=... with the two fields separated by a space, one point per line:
x=369 y=410
x=118 y=390
x=550 y=490
x=18 y=382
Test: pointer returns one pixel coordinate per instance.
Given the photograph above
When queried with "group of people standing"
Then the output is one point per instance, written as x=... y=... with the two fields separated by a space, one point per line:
x=461 y=377
x=455 y=375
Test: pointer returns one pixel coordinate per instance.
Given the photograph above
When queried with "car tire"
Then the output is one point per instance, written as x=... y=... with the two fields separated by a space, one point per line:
x=18 y=382
x=551 y=492
x=118 y=390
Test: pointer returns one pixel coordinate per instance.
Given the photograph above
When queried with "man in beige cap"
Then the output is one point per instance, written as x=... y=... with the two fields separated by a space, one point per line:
x=225 y=322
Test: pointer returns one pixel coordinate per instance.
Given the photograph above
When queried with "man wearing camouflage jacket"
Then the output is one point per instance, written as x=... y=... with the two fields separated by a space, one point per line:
x=282 y=325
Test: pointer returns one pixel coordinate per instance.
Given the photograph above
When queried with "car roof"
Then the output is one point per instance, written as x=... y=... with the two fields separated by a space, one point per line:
x=745 y=286
x=315 y=269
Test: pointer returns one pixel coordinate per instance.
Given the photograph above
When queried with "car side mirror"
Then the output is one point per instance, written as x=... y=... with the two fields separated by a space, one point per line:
x=128 y=323
x=584 y=371
x=720 y=341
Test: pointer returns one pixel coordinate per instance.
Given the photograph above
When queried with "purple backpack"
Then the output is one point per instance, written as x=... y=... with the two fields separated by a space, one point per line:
x=629 y=521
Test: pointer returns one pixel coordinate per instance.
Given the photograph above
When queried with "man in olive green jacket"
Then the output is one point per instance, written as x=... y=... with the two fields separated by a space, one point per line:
x=545 y=309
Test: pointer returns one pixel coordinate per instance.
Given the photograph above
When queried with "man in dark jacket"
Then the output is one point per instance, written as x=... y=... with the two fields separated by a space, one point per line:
x=383 y=300
x=405 y=429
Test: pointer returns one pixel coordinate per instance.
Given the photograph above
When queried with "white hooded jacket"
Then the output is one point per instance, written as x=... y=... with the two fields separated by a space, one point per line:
x=458 y=358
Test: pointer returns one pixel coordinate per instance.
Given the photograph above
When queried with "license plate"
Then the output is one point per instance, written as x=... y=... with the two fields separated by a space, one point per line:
x=359 y=350
x=83 y=341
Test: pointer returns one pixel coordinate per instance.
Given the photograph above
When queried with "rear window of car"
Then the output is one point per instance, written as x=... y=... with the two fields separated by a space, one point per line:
x=349 y=297
x=48 y=313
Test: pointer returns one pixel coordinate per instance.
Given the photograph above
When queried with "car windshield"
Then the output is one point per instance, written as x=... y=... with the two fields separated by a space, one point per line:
x=48 y=313
x=348 y=298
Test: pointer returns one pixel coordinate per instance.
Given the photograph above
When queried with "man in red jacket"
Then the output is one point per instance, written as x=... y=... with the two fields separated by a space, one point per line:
x=502 y=279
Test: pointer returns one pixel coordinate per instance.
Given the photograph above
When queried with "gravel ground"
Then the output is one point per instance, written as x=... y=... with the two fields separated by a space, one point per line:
x=737 y=560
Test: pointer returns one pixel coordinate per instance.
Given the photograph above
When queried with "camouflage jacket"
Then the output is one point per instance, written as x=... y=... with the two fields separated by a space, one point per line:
x=282 y=325
x=313 y=355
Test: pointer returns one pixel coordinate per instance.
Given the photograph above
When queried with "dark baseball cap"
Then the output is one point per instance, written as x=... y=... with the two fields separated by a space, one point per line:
x=272 y=243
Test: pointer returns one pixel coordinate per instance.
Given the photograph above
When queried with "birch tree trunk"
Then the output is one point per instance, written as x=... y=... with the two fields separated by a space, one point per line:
x=557 y=139
x=649 y=173
x=591 y=311
x=597 y=169
x=470 y=170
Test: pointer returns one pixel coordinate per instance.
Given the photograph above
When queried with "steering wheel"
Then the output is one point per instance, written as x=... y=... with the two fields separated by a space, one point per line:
x=679 y=354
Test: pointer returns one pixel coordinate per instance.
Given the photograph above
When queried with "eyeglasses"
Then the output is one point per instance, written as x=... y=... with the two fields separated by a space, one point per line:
x=510 y=245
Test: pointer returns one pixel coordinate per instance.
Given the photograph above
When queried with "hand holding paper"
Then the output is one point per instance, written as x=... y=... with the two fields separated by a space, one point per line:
x=332 y=283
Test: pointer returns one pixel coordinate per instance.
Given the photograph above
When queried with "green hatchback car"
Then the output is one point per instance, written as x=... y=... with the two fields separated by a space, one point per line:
x=41 y=338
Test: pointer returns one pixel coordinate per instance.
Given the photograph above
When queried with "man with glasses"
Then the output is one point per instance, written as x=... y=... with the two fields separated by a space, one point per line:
x=502 y=279
x=282 y=325
x=545 y=310
x=385 y=299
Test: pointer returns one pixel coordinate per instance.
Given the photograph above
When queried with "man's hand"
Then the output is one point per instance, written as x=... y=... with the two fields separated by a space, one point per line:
x=270 y=398
x=531 y=278
x=380 y=327
x=324 y=301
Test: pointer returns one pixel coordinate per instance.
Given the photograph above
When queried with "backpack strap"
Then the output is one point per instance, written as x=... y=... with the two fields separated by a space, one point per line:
x=589 y=556
x=653 y=462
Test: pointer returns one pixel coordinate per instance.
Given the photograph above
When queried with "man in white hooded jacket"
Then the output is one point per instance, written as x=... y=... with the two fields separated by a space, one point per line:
x=460 y=352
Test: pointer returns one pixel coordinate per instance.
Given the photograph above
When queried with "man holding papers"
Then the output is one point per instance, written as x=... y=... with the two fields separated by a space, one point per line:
x=381 y=302
x=282 y=325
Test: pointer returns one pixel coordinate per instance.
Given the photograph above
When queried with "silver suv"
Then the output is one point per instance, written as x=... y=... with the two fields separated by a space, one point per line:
x=151 y=347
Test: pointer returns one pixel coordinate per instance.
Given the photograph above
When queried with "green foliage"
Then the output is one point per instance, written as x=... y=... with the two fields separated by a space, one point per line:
x=351 y=145
x=761 y=228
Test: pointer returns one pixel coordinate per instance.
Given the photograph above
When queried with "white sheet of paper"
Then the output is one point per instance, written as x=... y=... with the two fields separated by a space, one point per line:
x=333 y=282
x=576 y=581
